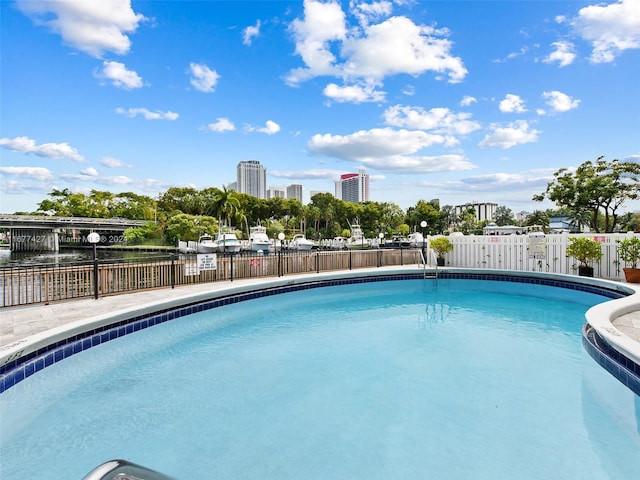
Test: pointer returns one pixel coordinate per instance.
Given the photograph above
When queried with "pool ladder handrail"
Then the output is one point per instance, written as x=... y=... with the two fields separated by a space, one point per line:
x=424 y=263
x=118 y=469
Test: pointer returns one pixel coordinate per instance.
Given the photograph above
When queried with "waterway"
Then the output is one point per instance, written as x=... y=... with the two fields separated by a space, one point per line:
x=73 y=255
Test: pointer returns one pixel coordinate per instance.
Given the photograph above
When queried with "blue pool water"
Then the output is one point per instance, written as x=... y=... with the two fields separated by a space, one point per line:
x=389 y=380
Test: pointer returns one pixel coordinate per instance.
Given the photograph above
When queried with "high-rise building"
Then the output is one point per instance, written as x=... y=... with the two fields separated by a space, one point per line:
x=295 y=191
x=275 y=192
x=353 y=187
x=252 y=178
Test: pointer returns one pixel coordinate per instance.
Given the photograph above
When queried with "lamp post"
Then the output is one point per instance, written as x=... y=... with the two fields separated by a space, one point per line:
x=281 y=238
x=423 y=224
x=381 y=237
x=93 y=238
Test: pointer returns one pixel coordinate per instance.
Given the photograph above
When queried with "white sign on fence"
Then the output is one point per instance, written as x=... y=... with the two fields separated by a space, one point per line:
x=191 y=269
x=537 y=246
x=207 y=261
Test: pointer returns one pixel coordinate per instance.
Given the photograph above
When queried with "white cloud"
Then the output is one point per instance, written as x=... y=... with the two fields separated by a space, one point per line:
x=611 y=28
x=119 y=75
x=147 y=114
x=90 y=175
x=112 y=162
x=311 y=174
x=512 y=55
x=353 y=93
x=439 y=120
x=250 y=32
x=270 y=128
x=516 y=133
x=467 y=100
x=398 y=46
x=491 y=183
x=369 y=52
x=49 y=150
x=369 y=12
x=203 y=78
x=36 y=173
x=560 y=102
x=322 y=23
x=93 y=27
x=222 y=125
x=564 y=54
x=512 y=104
x=388 y=149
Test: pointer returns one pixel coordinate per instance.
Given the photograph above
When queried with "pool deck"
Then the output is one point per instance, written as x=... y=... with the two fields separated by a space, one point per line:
x=18 y=323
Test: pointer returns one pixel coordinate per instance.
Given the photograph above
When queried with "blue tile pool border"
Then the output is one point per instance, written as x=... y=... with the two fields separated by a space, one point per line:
x=614 y=362
x=23 y=367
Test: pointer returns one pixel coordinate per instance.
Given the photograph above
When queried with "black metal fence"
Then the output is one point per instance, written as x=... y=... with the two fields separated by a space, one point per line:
x=50 y=283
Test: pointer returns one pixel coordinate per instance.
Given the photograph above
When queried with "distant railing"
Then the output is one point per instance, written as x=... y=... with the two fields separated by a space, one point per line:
x=50 y=283
x=46 y=283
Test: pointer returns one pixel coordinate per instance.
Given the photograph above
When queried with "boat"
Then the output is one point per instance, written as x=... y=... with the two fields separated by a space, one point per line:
x=416 y=240
x=357 y=240
x=205 y=244
x=258 y=239
x=227 y=242
x=398 y=241
x=301 y=243
x=338 y=243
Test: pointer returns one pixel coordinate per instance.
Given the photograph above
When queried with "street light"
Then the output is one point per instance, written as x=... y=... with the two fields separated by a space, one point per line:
x=423 y=224
x=93 y=238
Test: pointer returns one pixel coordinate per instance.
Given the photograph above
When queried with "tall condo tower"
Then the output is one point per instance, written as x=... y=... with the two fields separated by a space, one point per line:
x=252 y=178
x=353 y=187
x=295 y=191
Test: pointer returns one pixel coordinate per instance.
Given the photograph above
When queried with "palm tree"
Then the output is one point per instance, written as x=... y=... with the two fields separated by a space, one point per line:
x=227 y=204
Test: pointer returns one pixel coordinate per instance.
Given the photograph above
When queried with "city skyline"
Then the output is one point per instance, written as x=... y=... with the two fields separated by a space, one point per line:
x=471 y=101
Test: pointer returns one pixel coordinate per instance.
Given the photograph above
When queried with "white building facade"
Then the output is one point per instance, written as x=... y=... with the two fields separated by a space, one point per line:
x=252 y=178
x=295 y=191
x=484 y=211
x=353 y=187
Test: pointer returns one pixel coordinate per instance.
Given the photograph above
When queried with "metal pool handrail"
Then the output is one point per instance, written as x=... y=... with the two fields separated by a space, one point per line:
x=123 y=470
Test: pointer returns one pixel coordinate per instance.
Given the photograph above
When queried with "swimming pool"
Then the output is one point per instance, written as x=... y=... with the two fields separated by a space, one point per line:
x=395 y=379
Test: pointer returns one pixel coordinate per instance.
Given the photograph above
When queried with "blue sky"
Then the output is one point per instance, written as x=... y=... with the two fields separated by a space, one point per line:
x=458 y=100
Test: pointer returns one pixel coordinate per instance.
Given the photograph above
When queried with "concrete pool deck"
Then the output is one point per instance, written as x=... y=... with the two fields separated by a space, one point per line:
x=20 y=323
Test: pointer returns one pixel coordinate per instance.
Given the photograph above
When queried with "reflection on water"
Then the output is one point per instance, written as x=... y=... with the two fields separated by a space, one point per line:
x=68 y=256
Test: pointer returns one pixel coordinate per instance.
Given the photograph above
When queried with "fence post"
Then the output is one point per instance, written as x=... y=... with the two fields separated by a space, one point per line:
x=95 y=276
x=349 y=259
x=172 y=272
x=231 y=255
x=317 y=262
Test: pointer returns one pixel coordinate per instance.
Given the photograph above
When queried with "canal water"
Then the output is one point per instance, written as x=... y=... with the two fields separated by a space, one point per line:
x=73 y=255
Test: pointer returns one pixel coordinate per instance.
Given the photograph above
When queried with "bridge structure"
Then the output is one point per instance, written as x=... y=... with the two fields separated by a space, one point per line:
x=41 y=233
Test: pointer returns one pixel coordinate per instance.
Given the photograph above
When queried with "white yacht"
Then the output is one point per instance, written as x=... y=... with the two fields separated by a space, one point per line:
x=258 y=239
x=357 y=240
x=301 y=243
x=227 y=242
x=205 y=244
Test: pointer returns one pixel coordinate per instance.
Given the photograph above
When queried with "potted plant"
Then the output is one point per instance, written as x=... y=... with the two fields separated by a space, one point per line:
x=585 y=250
x=441 y=245
x=629 y=252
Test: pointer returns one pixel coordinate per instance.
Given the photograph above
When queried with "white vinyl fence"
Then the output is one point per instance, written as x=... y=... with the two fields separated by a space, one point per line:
x=530 y=253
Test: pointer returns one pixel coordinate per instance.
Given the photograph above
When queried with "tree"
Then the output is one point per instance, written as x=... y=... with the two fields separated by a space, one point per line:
x=538 y=217
x=226 y=204
x=503 y=216
x=189 y=227
x=595 y=187
x=428 y=212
